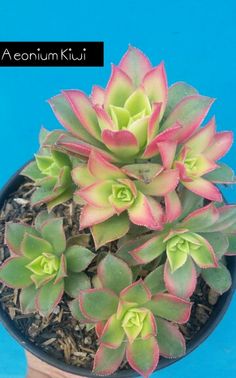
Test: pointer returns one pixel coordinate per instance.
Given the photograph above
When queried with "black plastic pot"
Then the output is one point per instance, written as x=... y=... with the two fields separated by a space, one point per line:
x=216 y=316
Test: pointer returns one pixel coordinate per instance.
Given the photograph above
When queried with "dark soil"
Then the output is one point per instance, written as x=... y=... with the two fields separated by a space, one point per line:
x=60 y=334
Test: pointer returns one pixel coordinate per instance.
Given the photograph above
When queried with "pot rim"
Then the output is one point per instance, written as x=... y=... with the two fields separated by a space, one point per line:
x=216 y=316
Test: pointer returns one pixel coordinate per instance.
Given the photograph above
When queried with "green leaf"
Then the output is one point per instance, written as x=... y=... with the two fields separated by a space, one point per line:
x=144 y=172
x=76 y=312
x=221 y=175
x=190 y=202
x=27 y=299
x=98 y=304
x=170 y=307
x=143 y=355
x=125 y=249
x=176 y=93
x=170 y=340
x=176 y=258
x=219 y=242
x=75 y=282
x=48 y=297
x=41 y=218
x=183 y=281
x=201 y=219
x=113 y=333
x=155 y=281
x=114 y=273
x=78 y=258
x=232 y=244
x=32 y=246
x=149 y=250
x=138 y=293
x=107 y=360
x=14 y=273
x=68 y=119
x=219 y=279
x=61 y=198
x=189 y=111
x=53 y=232
x=112 y=229
x=43 y=135
x=61 y=159
x=204 y=256
x=14 y=235
x=32 y=172
x=226 y=221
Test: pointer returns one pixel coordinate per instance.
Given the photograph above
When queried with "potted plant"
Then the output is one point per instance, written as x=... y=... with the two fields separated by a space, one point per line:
x=117 y=238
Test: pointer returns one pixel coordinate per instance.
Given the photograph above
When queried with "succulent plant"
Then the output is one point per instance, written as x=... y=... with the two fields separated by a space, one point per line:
x=133 y=117
x=197 y=242
x=42 y=265
x=138 y=118
x=113 y=198
x=51 y=172
x=130 y=320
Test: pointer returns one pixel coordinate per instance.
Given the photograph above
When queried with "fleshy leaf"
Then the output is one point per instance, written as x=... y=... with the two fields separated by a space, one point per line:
x=219 y=279
x=91 y=216
x=32 y=246
x=76 y=312
x=143 y=172
x=170 y=340
x=222 y=175
x=98 y=304
x=48 y=297
x=14 y=235
x=155 y=281
x=226 y=221
x=107 y=360
x=170 y=307
x=112 y=229
x=143 y=356
x=146 y=212
x=176 y=93
x=204 y=188
x=122 y=143
x=83 y=109
x=150 y=250
x=114 y=273
x=201 y=218
x=219 y=242
x=68 y=119
x=183 y=281
x=138 y=293
x=164 y=183
x=75 y=282
x=53 y=232
x=113 y=333
x=155 y=85
x=202 y=138
x=135 y=64
x=13 y=272
x=189 y=202
x=118 y=89
x=32 y=171
x=78 y=258
x=190 y=112
x=204 y=256
x=124 y=250
x=27 y=299
x=41 y=218
x=102 y=169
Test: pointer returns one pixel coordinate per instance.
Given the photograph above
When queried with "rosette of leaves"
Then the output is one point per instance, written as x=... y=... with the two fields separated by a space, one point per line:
x=43 y=265
x=114 y=197
x=131 y=320
x=137 y=117
x=195 y=244
x=51 y=172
